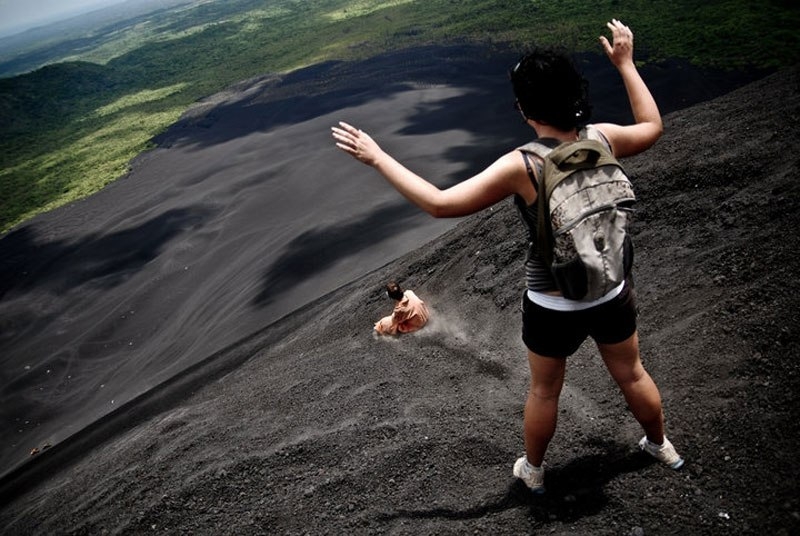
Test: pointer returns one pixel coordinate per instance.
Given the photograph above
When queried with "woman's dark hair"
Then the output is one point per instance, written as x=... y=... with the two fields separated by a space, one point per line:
x=394 y=291
x=549 y=89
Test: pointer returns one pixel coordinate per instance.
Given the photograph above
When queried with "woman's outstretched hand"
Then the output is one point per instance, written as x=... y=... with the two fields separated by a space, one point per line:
x=356 y=143
x=620 y=50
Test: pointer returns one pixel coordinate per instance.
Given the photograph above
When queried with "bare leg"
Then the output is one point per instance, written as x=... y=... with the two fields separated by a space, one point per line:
x=541 y=408
x=640 y=391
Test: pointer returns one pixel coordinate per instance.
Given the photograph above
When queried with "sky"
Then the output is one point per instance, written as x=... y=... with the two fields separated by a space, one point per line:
x=19 y=15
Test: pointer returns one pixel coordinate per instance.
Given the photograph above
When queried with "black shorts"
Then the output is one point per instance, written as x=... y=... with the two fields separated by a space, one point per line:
x=559 y=334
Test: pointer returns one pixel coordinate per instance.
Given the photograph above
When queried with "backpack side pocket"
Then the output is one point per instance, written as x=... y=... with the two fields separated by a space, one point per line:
x=571 y=278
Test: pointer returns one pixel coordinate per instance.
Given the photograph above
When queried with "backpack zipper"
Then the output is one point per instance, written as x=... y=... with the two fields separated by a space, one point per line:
x=571 y=225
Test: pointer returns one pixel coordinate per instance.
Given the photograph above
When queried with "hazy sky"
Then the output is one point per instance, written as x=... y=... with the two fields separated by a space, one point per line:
x=18 y=15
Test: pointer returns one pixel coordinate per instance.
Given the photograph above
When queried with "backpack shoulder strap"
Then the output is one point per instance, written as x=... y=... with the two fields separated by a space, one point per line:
x=590 y=132
x=536 y=147
x=529 y=168
x=541 y=148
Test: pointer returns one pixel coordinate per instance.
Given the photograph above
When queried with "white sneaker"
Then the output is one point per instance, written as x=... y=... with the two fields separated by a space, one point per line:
x=532 y=476
x=664 y=453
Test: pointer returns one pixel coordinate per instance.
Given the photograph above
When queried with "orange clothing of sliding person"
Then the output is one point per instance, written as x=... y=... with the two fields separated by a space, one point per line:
x=409 y=314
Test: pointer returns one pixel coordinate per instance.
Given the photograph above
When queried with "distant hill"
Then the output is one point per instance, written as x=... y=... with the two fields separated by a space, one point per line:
x=143 y=63
x=33 y=48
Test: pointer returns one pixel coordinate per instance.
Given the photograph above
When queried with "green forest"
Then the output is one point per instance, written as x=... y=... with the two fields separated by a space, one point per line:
x=95 y=101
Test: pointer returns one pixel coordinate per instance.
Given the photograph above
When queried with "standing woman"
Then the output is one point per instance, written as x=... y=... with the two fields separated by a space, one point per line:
x=551 y=96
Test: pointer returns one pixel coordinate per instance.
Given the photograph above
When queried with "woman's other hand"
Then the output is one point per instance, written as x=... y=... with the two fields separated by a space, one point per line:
x=356 y=143
x=620 y=50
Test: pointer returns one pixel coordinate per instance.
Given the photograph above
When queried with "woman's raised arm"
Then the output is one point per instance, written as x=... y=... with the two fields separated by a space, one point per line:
x=630 y=139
